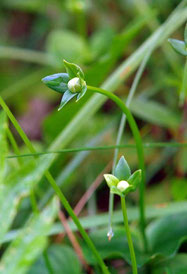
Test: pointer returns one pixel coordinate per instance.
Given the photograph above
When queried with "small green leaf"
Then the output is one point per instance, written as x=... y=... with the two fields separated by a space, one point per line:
x=73 y=70
x=66 y=98
x=111 y=180
x=57 y=82
x=116 y=191
x=178 y=46
x=135 y=179
x=122 y=170
x=185 y=35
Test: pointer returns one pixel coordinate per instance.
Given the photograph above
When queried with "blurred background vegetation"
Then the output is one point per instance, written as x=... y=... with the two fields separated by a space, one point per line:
x=35 y=36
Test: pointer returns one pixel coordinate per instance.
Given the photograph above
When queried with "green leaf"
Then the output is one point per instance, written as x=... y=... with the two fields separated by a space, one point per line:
x=66 y=98
x=65 y=44
x=62 y=259
x=178 y=46
x=30 y=242
x=111 y=180
x=165 y=235
x=73 y=70
x=122 y=170
x=135 y=179
x=3 y=144
x=176 y=265
x=57 y=82
x=185 y=35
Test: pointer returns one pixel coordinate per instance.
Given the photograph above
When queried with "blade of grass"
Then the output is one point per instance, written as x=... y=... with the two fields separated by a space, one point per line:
x=14 y=145
x=3 y=144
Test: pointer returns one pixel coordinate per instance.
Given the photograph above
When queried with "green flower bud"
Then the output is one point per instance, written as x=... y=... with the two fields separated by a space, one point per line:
x=122 y=185
x=74 y=85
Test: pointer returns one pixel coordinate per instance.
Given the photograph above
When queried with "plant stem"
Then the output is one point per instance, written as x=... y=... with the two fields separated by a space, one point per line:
x=129 y=239
x=183 y=92
x=97 y=148
x=139 y=148
x=56 y=189
x=122 y=126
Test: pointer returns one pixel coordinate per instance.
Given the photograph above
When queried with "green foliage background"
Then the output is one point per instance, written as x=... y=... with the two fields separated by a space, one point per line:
x=109 y=40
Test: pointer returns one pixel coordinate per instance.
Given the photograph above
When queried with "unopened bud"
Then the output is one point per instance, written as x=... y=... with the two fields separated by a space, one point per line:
x=122 y=185
x=74 y=85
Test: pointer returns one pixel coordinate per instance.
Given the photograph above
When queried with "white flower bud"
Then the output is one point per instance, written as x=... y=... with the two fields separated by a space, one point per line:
x=74 y=85
x=122 y=185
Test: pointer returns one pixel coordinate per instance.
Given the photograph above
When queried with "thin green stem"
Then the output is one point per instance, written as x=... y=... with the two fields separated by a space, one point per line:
x=122 y=126
x=129 y=239
x=111 y=206
x=56 y=189
x=139 y=148
x=100 y=148
x=183 y=92
x=128 y=102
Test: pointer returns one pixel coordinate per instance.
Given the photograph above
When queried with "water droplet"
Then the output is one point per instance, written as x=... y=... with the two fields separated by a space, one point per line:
x=110 y=234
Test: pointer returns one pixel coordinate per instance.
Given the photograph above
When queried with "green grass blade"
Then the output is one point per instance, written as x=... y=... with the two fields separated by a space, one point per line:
x=3 y=144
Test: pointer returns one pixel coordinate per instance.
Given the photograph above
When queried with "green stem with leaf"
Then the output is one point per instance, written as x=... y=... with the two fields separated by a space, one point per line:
x=129 y=239
x=140 y=152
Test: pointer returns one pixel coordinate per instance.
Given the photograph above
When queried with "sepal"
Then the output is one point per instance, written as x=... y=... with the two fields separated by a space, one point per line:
x=122 y=170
